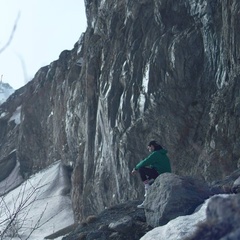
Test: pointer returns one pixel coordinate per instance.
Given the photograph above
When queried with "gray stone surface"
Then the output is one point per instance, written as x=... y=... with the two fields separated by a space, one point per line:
x=123 y=225
x=7 y=164
x=223 y=220
x=123 y=221
x=163 y=69
x=228 y=184
x=236 y=186
x=171 y=196
x=235 y=235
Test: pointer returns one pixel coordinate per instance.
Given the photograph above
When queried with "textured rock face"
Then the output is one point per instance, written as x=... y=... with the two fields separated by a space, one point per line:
x=165 y=70
x=236 y=186
x=123 y=221
x=33 y=120
x=222 y=220
x=172 y=196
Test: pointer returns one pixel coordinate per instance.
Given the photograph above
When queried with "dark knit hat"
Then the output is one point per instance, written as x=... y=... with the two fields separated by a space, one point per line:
x=153 y=143
x=156 y=145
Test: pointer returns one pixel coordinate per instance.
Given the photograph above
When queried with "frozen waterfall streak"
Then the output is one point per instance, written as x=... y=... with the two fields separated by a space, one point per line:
x=102 y=122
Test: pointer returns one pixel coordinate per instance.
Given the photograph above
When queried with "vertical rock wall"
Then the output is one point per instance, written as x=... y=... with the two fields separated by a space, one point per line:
x=143 y=70
x=166 y=70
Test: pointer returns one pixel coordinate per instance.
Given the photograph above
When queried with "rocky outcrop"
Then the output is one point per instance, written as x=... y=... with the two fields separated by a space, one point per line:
x=172 y=196
x=123 y=221
x=5 y=91
x=236 y=186
x=165 y=70
x=157 y=69
x=222 y=220
x=33 y=121
x=207 y=222
x=190 y=213
x=229 y=184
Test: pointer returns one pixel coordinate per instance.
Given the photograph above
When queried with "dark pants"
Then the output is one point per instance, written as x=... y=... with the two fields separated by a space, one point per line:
x=147 y=173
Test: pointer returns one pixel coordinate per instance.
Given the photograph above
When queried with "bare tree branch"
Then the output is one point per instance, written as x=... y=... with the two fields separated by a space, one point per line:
x=11 y=35
x=17 y=219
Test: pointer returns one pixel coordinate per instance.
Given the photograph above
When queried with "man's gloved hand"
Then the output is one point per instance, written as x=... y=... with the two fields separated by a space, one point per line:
x=134 y=171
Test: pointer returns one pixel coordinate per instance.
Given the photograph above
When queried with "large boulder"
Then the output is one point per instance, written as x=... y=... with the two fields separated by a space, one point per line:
x=223 y=220
x=122 y=221
x=236 y=186
x=230 y=184
x=179 y=227
x=171 y=196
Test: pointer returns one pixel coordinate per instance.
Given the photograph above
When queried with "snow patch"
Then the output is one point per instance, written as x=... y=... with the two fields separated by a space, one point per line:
x=102 y=4
x=3 y=114
x=179 y=227
x=145 y=78
x=144 y=90
x=212 y=144
x=46 y=206
x=80 y=40
x=5 y=92
x=16 y=116
x=141 y=103
x=93 y=23
x=172 y=55
x=221 y=77
x=183 y=226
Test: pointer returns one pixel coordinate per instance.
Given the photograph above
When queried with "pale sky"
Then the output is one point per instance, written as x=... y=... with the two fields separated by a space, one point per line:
x=44 y=29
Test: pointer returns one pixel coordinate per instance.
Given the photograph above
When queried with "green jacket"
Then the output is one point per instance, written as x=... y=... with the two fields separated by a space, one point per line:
x=157 y=160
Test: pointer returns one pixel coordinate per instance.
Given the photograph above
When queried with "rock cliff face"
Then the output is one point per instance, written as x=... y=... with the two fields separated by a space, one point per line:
x=162 y=69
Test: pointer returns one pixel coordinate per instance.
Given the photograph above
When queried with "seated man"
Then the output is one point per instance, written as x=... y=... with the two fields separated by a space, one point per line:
x=152 y=166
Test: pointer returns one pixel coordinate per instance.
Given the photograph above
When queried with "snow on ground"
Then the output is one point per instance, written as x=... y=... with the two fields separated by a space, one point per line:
x=16 y=117
x=41 y=203
x=5 y=92
x=179 y=227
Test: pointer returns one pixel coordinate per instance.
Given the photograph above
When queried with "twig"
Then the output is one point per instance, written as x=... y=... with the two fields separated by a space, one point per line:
x=11 y=35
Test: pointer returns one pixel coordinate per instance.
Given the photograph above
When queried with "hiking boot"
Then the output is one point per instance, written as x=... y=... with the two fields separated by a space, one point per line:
x=151 y=181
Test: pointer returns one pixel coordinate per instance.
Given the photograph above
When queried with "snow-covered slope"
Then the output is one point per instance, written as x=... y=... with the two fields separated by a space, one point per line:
x=182 y=226
x=38 y=207
x=178 y=228
x=5 y=91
